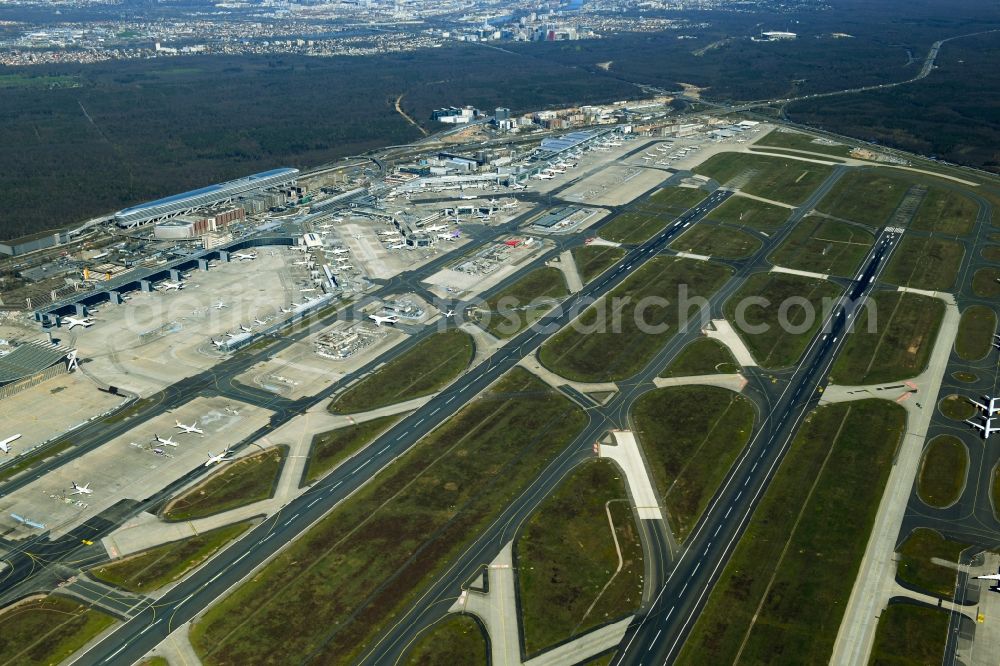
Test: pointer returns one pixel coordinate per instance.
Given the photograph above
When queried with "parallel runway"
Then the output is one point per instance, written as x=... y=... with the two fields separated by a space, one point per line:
x=140 y=634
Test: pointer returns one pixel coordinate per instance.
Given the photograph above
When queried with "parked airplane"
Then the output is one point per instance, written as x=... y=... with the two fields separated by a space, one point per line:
x=5 y=443
x=86 y=322
x=384 y=320
x=449 y=313
x=189 y=429
x=246 y=329
x=244 y=256
x=221 y=344
x=232 y=335
x=991 y=407
x=220 y=305
x=213 y=459
x=283 y=310
x=436 y=227
x=397 y=246
x=81 y=490
x=171 y=286
x=169 y=441
x=341 y=260
x=986 y=429
x=995 y=577
x=544 y=176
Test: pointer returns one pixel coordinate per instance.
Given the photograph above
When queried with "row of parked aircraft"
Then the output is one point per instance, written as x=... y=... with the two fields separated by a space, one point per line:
x=989 y=408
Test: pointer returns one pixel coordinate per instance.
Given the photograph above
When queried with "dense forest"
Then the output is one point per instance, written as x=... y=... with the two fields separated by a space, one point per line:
x=81 y=141
x=78 y=141
x=953 y=114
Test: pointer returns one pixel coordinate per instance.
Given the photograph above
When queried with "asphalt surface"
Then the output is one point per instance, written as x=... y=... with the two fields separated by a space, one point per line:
x=137 y=636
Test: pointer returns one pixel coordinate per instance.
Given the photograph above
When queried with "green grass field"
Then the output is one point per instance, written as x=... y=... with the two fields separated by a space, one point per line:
x=521 y=304
x=905 y=329
x=916 y=568
x=744 y=212
x=945 y=212
x=786 y=180
x=424 y=369
x=799 y=141
x=866 y=196
x=824 y=246
x=335 y=589
x=635 y=226
x=985 y=282
x=924 y=263
x=942 y=471
x=704 y=356
x=781 y=597
x=152 y=569
x=607 y=343
x=966 y=377
x=975 y=332
x=456 y=639
x=673 y=201
x=332 y=447
x=691 y=435
x=47 y=631
x=957 y=407
x=991 y=252
x=592 y=260
x=909 y=635
x=234 y=484
x=779 y=346
x=567 y=564
x=717 y=241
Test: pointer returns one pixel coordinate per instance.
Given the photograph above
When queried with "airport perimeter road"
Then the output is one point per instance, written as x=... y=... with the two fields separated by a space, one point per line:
x=657 y=637
x=136 y=637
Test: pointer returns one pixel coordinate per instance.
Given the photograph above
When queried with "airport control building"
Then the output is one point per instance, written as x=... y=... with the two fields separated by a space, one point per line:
x=31 y=364
x=179 y=204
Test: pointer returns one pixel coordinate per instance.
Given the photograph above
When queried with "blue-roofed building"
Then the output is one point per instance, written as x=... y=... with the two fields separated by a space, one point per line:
x=186 y=202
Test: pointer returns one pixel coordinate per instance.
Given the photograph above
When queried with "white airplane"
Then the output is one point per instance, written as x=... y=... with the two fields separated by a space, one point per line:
x=283 y=310
x=220 y=305
x=171 y=286
x=986 y=429
x=557 y=170
x=189 y=429
x=260 y=322
x=345 y=267
x=436 y=227
x=213 y=459
x=218 y=343
x=449 y=313
x=169 y=441
x=339 y=250
x=81 y=490
x=232 y=335
x=387 y=232
x=86 y=322
x=245 y=256
x=446 y=236
x=296 y=305
x=5 y=443
x=246 y=329
x=995 y=577
x=991 y=407
x=302 y=263
x=397 y=246
x=544 y=176
x=384 y=320
x=341 y=260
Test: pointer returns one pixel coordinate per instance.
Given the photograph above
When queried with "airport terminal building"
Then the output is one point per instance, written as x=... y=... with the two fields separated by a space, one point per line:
x=179 y=204
x=31 y=364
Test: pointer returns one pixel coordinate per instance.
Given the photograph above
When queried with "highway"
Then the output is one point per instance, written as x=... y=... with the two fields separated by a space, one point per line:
x=140 y=634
